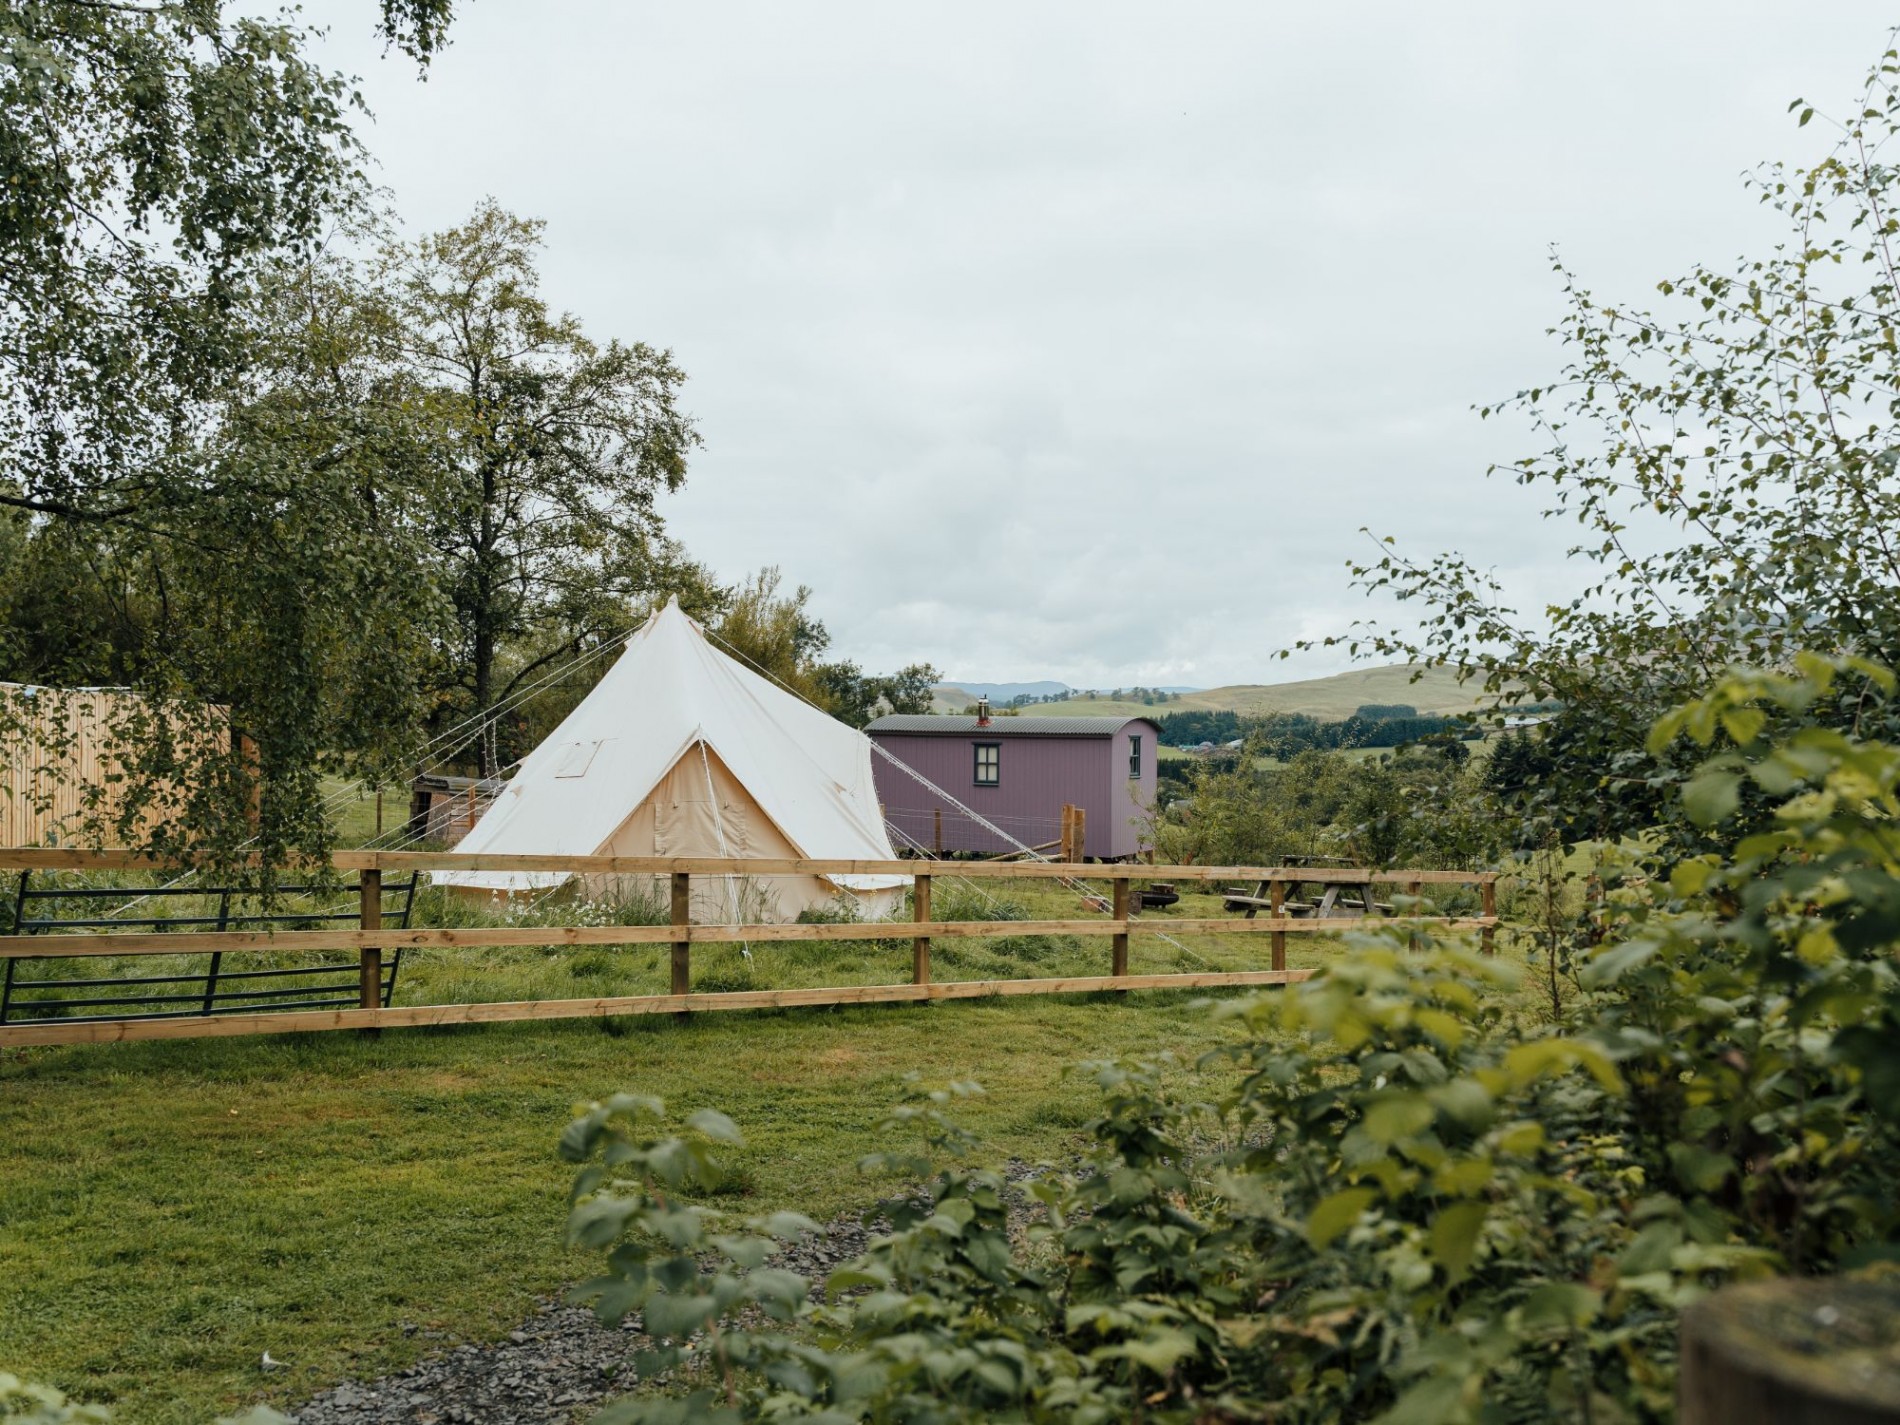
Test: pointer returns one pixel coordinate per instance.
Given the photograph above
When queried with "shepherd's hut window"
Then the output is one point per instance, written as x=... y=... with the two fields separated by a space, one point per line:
x=1134 y=755
x=989 y=763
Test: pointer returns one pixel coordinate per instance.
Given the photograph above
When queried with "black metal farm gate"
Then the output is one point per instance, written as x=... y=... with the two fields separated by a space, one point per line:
x=206 y=988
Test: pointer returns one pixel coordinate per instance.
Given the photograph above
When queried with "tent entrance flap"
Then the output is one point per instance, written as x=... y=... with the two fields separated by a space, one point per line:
x=700 y=808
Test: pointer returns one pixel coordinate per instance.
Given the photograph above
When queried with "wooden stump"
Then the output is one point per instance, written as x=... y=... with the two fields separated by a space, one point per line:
x=1794 y=1352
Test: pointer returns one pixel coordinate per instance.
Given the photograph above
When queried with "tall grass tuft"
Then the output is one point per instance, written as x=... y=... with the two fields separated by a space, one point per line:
x=965 y=900
x=626 y=902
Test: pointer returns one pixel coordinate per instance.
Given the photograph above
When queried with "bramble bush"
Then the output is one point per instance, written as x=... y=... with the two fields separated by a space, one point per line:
x=1416 y=1203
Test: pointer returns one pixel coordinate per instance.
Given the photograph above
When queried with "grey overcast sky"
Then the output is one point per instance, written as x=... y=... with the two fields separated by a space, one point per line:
x=1081 y=340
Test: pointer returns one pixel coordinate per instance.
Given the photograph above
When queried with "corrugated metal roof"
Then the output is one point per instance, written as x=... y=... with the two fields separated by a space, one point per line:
x=1003 y=726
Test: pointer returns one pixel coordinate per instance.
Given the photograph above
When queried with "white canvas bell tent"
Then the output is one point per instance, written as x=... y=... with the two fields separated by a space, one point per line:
x=680 y=751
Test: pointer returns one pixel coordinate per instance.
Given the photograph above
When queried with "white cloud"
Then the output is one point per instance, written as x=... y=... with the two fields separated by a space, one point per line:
x=1081 y=341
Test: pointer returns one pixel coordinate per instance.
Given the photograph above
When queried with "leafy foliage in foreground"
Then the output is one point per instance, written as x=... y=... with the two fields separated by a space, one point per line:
x=24 y=1403
x=1413 y=1206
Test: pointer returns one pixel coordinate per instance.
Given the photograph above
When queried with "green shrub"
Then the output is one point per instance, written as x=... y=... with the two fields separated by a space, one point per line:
x=1416 y=1204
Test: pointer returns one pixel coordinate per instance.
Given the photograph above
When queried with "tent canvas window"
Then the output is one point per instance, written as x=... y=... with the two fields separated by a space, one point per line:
x=577 y=758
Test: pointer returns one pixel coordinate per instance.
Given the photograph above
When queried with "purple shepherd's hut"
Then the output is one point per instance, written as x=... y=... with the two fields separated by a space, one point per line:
x=1017 y=773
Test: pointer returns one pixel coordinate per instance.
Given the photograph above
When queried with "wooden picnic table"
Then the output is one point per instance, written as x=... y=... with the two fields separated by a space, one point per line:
x=1348 y=898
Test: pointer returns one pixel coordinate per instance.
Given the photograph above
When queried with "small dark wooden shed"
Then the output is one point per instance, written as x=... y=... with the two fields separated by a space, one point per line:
x=1018 y=773
x=446 y=809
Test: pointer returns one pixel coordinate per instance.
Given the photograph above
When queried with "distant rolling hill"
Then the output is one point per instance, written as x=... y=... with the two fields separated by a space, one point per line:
x=1000 y=693
x=1330 y=699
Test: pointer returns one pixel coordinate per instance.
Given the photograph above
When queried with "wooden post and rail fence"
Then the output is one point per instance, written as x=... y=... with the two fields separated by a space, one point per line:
x=372 y=938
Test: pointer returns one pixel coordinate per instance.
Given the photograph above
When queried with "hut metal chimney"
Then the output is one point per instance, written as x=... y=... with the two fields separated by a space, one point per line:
x=983 y=711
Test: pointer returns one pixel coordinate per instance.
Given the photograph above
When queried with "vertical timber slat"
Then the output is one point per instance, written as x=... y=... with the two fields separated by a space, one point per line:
x=682 y=916
x=1276 y=892
x=1487 y=938
x=369 y=895
x=920 y=947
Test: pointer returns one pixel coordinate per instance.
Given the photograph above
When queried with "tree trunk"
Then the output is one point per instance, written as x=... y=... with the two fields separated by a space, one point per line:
x=484 y=682
x=486 y=613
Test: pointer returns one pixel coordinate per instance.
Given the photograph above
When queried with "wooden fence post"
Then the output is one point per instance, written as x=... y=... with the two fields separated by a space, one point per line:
x=1417 y=892
x=1079 y=834
x=682 y=917
x=1119 y=953
x=1276 y=896
x=1487 y=938
x=369 y=898
x=936 y=844
x=920 y=947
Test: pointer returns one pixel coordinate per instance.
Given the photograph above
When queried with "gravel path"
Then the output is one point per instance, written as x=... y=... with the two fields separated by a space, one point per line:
x=558 y=1365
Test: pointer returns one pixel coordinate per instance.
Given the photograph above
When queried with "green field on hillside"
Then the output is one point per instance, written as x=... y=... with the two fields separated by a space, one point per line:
x=1436 y=690
x=1274 y=764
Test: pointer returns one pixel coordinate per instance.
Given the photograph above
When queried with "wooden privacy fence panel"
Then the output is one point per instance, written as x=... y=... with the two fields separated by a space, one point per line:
x=373 y=938
x=57 y=768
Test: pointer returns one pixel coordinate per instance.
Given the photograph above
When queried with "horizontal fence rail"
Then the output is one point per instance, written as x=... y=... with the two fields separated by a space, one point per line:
x=1272 y=890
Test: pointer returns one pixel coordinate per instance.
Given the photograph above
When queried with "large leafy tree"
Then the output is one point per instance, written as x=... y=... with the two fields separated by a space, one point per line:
x=151 y=155
x=549 y=452
x=1730 y=457
x=159 y=164
x=775 y=631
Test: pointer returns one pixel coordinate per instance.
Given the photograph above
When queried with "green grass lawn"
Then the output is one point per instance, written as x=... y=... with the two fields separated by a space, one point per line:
x=354 y=810
x=170 y=1211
